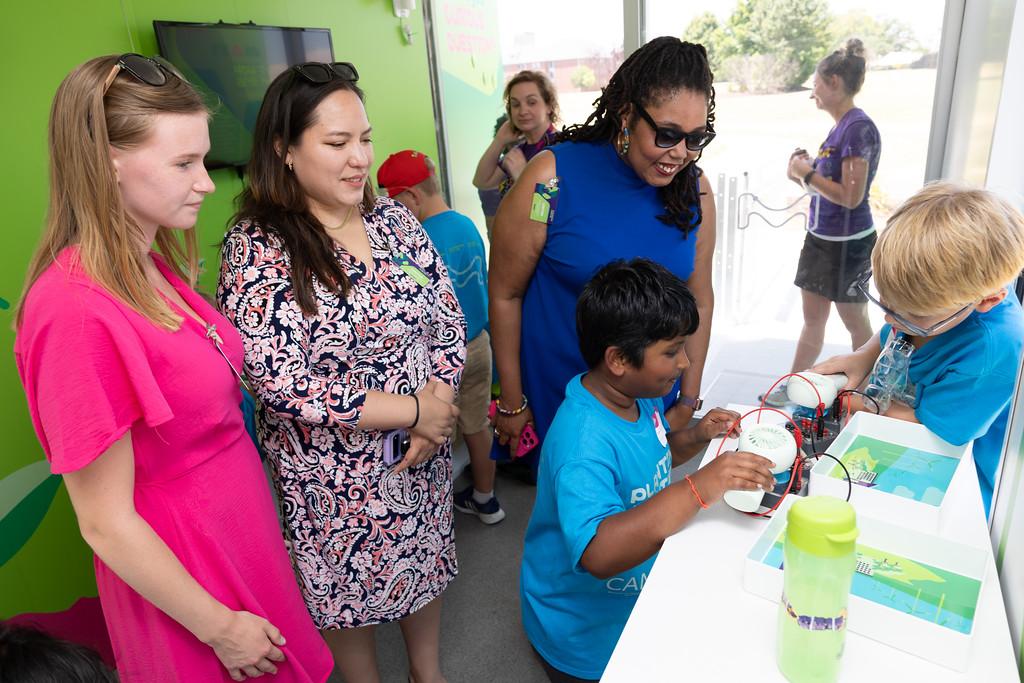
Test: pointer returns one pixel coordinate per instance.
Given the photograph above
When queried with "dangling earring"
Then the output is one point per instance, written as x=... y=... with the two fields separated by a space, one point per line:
x=291 y=166
x=624 y=142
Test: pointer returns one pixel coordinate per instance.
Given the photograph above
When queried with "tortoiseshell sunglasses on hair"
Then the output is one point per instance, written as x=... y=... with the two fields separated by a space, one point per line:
x=144 y=69
x=319 y=72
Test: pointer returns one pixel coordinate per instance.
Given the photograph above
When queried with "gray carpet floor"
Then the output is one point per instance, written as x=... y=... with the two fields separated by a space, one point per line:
x=482 y=636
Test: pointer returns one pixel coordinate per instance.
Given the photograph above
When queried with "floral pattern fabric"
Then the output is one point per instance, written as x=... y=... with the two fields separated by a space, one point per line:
x=371 y=546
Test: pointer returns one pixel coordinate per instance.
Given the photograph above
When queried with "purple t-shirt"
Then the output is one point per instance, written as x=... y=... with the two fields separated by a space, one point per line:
x=529 y=150
x=854 y=136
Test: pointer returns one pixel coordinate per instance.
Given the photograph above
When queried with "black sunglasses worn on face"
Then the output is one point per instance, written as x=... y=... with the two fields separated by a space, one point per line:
x=863 y=286
x=143 y=69
x=666 y=137
x=319 y=72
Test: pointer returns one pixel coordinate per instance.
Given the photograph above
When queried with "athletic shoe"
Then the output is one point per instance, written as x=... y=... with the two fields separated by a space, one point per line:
x=777 y=398
x=489 y=512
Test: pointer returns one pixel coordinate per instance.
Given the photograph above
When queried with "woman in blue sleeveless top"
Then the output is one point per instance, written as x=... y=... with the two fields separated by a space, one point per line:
x=627 y=186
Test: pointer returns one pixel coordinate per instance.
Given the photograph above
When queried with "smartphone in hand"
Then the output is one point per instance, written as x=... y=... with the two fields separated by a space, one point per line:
x=396 y=445
x=528 y=438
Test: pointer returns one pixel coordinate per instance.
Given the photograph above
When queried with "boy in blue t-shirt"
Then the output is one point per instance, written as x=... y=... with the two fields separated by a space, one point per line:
x=408 y=177
x=941 y=267
x=604 y=500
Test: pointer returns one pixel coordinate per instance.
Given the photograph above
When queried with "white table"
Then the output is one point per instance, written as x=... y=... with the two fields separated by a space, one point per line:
x=694 y=621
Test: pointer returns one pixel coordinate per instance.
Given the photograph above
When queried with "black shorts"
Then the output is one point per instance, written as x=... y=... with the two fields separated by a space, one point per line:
x=829 y=269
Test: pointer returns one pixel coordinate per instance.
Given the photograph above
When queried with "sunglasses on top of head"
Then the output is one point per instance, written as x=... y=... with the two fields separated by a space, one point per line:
x=666 y=137
x=143 y=69
x=320 y=72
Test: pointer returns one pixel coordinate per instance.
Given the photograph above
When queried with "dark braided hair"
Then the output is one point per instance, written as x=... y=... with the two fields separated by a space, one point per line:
x=657 y=70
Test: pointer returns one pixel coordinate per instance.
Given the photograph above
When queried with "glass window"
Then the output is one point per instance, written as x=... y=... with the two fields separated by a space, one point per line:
x=764 y=66
x=576 y=43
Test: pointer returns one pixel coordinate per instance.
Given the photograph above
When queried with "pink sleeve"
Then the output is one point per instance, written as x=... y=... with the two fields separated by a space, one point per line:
x=86 y=375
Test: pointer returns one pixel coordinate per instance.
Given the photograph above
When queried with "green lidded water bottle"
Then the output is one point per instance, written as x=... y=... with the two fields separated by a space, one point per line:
x=819 y=559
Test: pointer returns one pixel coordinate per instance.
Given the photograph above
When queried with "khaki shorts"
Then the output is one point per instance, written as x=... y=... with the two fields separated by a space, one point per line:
x=475 y=391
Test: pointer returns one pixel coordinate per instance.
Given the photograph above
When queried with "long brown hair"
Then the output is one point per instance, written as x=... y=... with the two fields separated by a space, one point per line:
x=86 y=208
x=273 y=197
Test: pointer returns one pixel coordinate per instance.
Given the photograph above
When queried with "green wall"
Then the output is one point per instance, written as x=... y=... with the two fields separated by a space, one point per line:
x=469 y=61
x=45 y=568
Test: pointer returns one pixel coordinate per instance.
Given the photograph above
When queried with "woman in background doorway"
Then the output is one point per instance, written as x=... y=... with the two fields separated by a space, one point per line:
x=837 y=248
x=532 y=107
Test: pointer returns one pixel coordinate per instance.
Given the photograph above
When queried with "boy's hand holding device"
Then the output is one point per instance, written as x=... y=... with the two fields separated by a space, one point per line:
x=733 y=470
x=856 y=366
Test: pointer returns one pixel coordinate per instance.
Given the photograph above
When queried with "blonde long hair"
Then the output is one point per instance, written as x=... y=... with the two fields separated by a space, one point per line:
x=86 y=208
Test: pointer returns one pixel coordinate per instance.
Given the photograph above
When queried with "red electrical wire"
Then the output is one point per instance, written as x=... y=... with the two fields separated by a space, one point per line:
x=797 y=469
x=796 y=473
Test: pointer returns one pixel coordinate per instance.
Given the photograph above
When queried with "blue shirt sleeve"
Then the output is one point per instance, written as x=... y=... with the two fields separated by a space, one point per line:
x=586 y=494
x=961 y=407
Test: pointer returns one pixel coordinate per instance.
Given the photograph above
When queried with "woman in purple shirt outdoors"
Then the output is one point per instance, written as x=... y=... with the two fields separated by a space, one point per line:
x=841 y=231
x=532 y=107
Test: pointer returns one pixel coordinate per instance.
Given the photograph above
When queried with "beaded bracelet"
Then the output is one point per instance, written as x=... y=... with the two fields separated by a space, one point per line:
x=700 y=501
x=511 y=413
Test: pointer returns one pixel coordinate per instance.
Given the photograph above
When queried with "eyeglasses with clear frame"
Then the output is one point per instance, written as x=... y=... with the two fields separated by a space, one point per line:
x=667 y=137
x=863 y=285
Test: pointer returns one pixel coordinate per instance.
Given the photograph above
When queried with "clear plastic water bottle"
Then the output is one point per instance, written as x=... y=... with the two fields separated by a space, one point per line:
x=819 y=560
x=891 y=375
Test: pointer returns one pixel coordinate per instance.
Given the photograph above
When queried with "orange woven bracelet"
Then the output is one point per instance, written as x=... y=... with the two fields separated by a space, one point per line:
x=700 y=501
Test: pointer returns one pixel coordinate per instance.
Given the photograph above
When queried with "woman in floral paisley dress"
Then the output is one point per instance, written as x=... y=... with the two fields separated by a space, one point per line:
x=351 y=330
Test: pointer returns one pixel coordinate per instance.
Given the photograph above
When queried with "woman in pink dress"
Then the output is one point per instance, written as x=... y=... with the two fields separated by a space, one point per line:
x=131 y=379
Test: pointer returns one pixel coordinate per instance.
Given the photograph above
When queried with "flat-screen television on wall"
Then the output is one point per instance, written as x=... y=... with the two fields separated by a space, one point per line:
x=232 y=64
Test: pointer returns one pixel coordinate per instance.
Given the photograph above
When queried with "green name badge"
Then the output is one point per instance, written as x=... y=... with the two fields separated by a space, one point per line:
x=411 y=269
x=545 y=200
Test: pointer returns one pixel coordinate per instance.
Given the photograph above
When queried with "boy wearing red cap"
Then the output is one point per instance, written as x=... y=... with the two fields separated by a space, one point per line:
x=408 y=177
